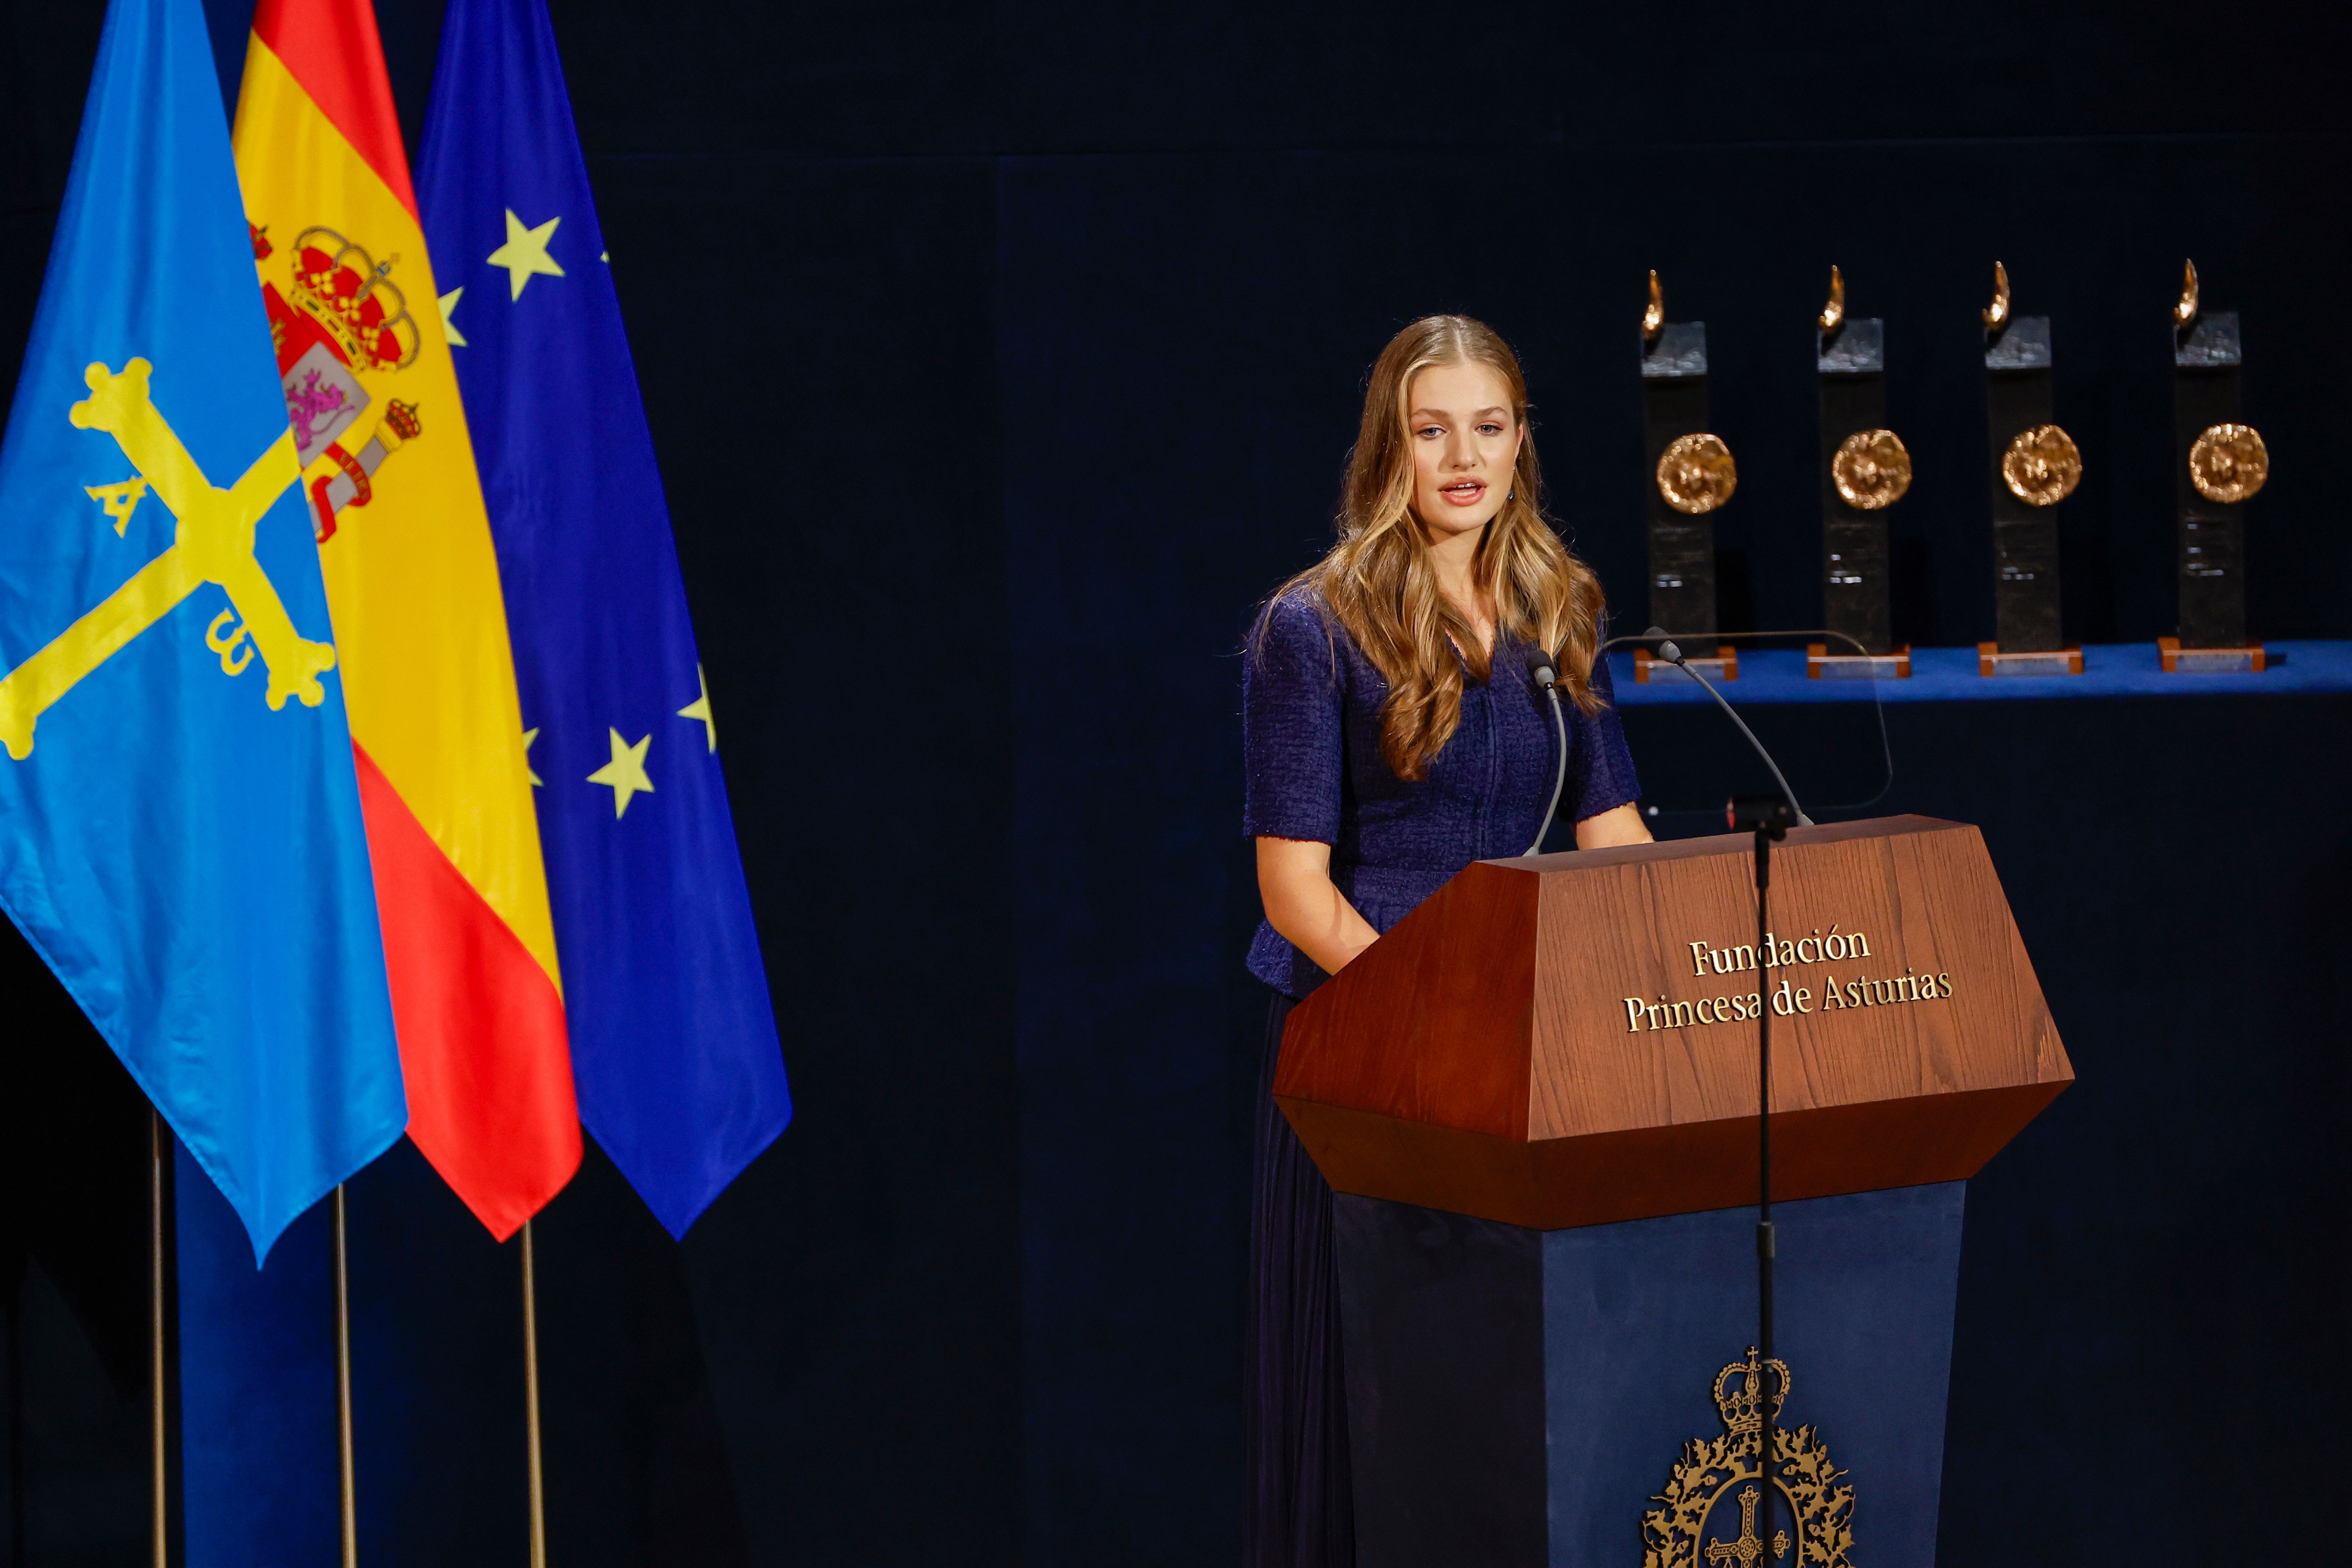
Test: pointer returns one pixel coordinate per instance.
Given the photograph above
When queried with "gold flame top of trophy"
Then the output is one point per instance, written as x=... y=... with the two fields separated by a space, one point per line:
x=2043 y=466
x=1696 y=473
x=1872 y=469
x=1833 y=314
x=2229 y=462
x=1996 y=315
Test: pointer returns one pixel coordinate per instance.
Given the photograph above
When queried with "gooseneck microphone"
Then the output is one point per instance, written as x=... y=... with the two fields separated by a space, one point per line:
x=1540 y=671
x=1673 y=656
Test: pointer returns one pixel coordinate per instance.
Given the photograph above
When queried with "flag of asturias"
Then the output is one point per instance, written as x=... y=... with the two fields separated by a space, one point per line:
x=674 y=1040
x=180 y=826
x=413 y=579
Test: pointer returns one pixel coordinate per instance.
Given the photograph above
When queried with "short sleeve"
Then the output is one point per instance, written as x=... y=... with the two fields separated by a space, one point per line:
x=1600 y=768
x=1292 y=744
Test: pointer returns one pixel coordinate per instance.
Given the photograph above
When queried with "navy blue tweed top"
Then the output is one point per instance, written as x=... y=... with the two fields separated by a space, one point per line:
x=1311 y=748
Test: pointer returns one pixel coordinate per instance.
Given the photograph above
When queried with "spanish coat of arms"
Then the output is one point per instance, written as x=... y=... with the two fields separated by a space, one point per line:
x=346 y=318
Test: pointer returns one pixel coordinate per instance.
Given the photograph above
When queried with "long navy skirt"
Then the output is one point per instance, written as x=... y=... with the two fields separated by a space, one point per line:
x=1300 y=1510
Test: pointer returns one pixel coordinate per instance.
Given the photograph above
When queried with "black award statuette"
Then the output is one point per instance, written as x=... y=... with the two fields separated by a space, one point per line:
x=1864 y=470
x=1692 y=474
x=2035 y=465
x=2218 y=462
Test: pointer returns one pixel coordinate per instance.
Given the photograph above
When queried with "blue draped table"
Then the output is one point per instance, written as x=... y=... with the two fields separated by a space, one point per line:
x=1949 y=675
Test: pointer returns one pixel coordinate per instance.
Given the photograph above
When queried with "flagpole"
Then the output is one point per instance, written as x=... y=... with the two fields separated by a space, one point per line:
x=343 y=1389
x=530 y=1402
x=161 y=1531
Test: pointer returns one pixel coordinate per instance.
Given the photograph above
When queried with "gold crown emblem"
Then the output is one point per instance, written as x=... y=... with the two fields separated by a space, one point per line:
x=1727 y=1470
x=1742 y=1406
x=339 y=285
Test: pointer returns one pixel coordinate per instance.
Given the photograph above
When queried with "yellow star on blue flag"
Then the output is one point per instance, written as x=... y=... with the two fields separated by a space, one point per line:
x=625 y=773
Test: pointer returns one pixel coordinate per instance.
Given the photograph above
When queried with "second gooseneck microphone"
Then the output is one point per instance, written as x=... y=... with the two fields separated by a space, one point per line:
x=1540 y=671
x=1673 y=656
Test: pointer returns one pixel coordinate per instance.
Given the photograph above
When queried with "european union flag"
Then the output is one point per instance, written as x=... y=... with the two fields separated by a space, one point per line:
x=180 y=831
x=674 y=1049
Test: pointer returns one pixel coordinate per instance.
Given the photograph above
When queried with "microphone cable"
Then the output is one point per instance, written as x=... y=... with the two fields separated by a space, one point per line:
x=1541 y=671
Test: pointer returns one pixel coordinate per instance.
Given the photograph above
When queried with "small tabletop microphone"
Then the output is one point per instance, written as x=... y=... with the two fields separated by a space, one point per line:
x=1540 y=671
x=1673 y=656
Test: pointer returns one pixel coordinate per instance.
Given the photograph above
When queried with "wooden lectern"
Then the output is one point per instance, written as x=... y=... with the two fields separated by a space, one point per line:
x=1551 y=1048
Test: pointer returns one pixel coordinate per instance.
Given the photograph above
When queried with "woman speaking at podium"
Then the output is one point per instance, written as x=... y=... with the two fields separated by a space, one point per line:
x=1394 y=733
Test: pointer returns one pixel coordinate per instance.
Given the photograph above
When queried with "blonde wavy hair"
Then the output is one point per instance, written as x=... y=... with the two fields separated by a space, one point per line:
x=1377 y=581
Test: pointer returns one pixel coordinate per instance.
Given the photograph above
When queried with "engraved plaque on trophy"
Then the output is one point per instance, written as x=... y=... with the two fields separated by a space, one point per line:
x=1691 y=474
x=2035 y=465
x=1864 y=470
x=2218 y=463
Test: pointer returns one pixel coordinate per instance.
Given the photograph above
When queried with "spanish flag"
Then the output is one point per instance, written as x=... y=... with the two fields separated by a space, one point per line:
x=413 y=586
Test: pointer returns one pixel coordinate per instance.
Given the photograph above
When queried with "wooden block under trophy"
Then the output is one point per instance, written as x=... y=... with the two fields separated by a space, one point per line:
x=1692 y=474
x=2218 y=463
x=2035 y=465
x=1864 y=470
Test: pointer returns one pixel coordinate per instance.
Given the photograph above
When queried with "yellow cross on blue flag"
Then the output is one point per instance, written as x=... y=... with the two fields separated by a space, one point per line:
x=180 y=829
x=674 y=1050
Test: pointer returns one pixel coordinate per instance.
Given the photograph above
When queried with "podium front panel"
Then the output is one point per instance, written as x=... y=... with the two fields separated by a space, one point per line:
x=1570 y=1040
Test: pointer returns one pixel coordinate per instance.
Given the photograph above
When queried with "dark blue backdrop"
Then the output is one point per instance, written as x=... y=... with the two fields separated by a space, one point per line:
x=1084 y=296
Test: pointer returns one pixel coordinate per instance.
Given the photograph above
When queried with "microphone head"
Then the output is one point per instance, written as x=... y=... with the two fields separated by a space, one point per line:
x=1666 y=648
x=1540 y=668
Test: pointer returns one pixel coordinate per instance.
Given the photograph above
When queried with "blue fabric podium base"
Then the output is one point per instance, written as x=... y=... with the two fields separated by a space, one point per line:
x=1520 y=1397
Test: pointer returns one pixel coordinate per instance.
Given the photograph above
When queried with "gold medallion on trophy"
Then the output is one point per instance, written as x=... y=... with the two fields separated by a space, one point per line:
x=2043 y=466
x=1695 y=474
x=2228 y=463
x=1872 y=469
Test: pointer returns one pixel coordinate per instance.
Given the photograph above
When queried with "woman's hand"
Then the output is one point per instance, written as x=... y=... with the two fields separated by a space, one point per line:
x=1302 y=902
x=1622 y=826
